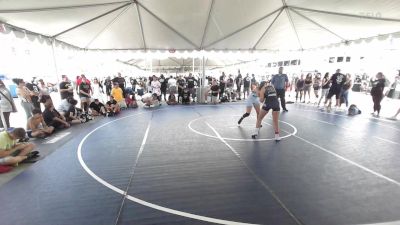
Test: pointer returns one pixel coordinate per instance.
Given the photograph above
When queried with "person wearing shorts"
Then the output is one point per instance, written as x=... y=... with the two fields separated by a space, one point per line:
x=338 y=79
x=12 y=152
x=37 y=127
x=269 y=97
x=84 y=94
x=214 y=92
x=252 y=101
x=246 y=85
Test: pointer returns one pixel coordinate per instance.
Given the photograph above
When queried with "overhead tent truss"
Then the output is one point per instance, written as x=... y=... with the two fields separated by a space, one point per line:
x=175 y=64
x=195 y=46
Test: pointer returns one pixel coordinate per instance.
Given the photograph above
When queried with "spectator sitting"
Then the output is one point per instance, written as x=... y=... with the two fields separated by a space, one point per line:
x=117 y=94
x=150 y=100
x=36 y=126
x=65 y=105
x=172 y=100
x=73 y=113
x=51 y=116
x=97 y=108
x=131 y=101
x=112 y=107
x=12 y=152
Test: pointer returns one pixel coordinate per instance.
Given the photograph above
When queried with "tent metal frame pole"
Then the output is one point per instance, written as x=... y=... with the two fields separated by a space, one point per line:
x=292 y=23
x=345 y=14
x=151 y=65
x=269 y=27
x=3 y=120
x=316 y=23
x=141 y=25
x=175 y=61
x=167 y=25
x=107 y=26
x=208 y=21
x=242 y=28
x=53 y=44
x=12 y=27
x=91 y=20
x=60 y=8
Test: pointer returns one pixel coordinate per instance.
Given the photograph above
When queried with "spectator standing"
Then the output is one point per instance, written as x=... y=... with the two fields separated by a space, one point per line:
x=191 y=85
x=239 y=82
x=25 y=96
x=346 y=88
x=222 y=85
x=253 y=79
x=317 y=85
x=181 y=85
x=337 y=80
x=172 y=85
x=108 y=85
x=97 y=89
x=325 y=87
x=35 y=92
x=164 y=85
x=229 y=88
x=300 y=87
x=246 y=86
x=66 y=88
x=85 y=93
x=156 y=86
x=121 y=83
x=377 y=92
x=214 y=91
x=7 y=105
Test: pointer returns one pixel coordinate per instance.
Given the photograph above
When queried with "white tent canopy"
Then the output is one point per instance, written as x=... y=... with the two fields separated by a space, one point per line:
x=203 y=24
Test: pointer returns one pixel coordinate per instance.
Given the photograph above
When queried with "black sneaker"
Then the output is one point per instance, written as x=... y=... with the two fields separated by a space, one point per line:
x=240 y=120
x=285 y=110
x=33 y=154
x=29 y=160
x=24 y=139
x=254 y=136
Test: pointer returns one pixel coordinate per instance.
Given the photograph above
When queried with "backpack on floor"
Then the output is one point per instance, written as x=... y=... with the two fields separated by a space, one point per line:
x=353 y=110
x=224 y=98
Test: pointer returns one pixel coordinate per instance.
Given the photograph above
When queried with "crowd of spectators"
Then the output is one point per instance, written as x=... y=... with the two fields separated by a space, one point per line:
x=108 y=96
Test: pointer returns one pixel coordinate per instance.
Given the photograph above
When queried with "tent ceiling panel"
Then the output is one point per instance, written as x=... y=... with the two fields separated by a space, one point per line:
x=312 y=35
x=159 y=36
x=246 y=38
x=180 y=24
x=123 y=33
x=353 y=28
x=83 y=35
x=280 y=36
x=381 y=8
x=54 y=21
x=181 y=62
x=35 y=4
x=228 y=16
x=190 y=20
